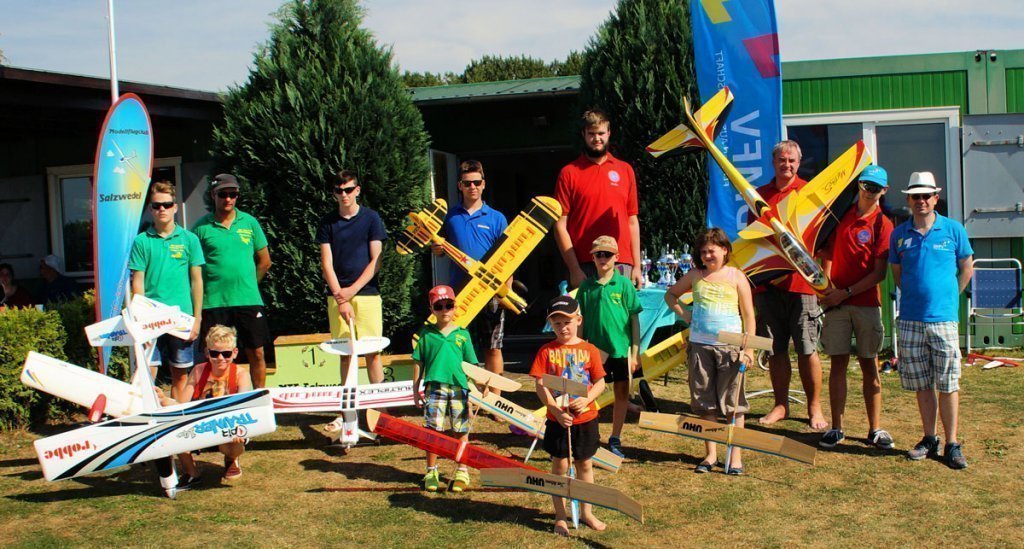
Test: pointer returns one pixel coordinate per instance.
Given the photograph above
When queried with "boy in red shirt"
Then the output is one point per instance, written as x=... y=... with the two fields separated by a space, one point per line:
x=570 y=357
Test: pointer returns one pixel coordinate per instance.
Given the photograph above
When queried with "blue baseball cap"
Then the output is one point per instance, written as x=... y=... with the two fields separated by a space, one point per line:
x=875 y=174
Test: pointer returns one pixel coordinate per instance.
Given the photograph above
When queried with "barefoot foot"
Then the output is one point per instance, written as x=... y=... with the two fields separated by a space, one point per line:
x=818 y=422
x=594 y=523
x=777 y=413
x=561 y=528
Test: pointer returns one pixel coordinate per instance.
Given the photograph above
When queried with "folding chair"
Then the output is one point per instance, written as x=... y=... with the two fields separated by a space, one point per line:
x=997 y=290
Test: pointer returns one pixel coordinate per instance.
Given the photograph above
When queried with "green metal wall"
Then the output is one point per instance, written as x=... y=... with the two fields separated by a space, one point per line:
x=872 y=92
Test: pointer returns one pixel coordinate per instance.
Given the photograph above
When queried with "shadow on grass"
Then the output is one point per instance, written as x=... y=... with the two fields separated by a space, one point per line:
x=362 y=470
x=458 y=509
x=25 y=462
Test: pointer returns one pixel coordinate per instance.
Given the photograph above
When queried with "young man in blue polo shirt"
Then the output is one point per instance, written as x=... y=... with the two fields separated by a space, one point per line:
x=472 y=226
x=351 y=240
x=931 y=263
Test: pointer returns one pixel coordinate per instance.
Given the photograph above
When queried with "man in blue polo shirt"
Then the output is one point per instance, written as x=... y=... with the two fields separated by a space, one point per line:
x=472 y=226
x=931 y=263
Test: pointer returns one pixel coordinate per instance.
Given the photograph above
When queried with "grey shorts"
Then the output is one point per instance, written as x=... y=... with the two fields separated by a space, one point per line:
x=929 y=356
x=785 y=316
x=845 y=321
x=714 y=379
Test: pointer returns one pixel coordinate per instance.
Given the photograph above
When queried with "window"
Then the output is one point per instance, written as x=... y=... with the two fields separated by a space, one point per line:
x=71 y=212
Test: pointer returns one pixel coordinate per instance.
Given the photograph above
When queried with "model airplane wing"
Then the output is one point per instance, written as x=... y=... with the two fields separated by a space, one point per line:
x=81 y=386
x=701 y=429
x=298 y=400
x=438 y=443
x=759 y=259
x=484 y=377
x=151 y=319
x=569 y=488
x=682 y=137
x=152 y=435
x=425 y=225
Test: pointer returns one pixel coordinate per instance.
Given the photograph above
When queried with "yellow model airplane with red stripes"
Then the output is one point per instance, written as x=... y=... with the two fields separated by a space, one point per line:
x=489 y=276
x=785 y=237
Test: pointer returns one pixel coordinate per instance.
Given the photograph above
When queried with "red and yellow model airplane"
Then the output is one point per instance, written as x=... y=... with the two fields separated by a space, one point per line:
x=489 y=276
x=785 y=237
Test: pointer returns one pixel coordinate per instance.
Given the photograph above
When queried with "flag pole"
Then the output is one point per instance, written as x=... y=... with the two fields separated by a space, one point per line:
x=114 y=92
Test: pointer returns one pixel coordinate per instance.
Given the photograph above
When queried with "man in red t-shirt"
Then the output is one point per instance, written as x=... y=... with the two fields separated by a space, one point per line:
x=787 y=308
x=856 y=261
x=597 y=193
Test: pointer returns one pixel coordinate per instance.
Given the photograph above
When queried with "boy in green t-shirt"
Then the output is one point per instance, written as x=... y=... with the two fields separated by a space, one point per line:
x=443 y=347
x=611 y=308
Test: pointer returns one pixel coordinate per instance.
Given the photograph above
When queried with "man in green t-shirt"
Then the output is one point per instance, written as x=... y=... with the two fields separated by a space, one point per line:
x=611 y=322
x=442 y=349
x=237 y=258
x=166 y=265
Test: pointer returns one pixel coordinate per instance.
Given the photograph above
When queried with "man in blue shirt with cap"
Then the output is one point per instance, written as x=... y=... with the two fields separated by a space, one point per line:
x=932 y=262
x=473 y=227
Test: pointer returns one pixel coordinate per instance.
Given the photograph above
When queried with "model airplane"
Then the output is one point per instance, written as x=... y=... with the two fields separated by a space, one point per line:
x=443 y=445
x=141 y=430
x=487 y=277
x=784 y=237
x=701 y=429
x=559 y=486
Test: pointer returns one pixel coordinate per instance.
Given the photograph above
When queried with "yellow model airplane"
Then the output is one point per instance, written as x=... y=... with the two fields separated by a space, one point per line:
x=489 y=276
x=785 y=237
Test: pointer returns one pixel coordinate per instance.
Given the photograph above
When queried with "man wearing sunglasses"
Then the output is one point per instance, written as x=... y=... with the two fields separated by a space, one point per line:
x=598 y=196
x=237 y=258
x=473 y=227
x=166 y=263
x=856 y=260
x=351 y=239
x=931 y=261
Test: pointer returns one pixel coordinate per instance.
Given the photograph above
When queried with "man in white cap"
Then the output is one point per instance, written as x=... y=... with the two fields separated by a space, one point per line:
x=56 y=286
x=931 y=261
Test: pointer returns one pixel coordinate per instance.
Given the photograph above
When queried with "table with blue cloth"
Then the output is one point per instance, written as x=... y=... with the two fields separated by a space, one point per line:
x=655 y=314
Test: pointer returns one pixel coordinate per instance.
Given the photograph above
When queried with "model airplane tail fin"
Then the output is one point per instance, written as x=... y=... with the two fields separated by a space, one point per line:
x=425 y=225
x=706 y=118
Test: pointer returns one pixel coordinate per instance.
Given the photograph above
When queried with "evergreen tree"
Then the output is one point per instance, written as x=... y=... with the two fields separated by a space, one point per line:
x=492 y=68
x=323 y=96
x=637 y=69
x=572 y=65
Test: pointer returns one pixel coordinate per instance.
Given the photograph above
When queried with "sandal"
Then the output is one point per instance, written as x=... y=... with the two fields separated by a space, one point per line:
x=703 y=467
x=735 y=471
x=336 y=425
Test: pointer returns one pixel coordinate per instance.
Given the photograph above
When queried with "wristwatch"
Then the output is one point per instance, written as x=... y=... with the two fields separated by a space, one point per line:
x=849 y=292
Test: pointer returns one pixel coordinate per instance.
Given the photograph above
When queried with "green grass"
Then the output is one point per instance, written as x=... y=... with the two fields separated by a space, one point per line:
x=854 y=495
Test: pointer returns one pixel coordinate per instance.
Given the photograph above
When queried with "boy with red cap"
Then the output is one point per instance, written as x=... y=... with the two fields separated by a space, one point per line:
x=443 y=347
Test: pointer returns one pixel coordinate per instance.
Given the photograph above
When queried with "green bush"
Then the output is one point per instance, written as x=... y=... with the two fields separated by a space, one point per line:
x=75 y=315
x=21 y=331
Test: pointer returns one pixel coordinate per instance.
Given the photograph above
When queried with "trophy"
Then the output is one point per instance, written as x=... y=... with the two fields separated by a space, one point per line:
x=666 y=266
x=645 y=269
x=685 y=260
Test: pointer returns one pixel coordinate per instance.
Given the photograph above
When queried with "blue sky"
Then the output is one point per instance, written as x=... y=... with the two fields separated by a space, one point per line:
x=208 y=44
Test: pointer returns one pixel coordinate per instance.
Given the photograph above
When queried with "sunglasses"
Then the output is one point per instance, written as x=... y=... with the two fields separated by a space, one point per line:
x=346 y=190
x=161 y=205
x=603 y=255
x=916 y=197
x=446 y=306
x=472 y=182
x=221 y=354
x=873 y=189
x=227 y=194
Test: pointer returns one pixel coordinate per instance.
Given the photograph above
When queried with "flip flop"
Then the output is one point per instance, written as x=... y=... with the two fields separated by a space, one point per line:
x=735 y=471
x=703 y=467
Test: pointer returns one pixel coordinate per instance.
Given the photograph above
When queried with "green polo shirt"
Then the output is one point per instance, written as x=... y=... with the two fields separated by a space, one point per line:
x=165 y=262
x=229 y=276
x=606 y=310
x=442 y=356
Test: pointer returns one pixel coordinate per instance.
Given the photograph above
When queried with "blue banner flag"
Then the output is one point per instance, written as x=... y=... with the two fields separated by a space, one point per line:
x=736 y=44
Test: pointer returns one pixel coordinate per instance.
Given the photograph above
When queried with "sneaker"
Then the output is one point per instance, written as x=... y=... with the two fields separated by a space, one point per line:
x=232 y=469
x=887 y=367
x=953 y=455
x=615 y=446
x=431 y=481
x=187 y=482
x=928 y=447
x=461 y=481
x=881 y=439
x=831 y=438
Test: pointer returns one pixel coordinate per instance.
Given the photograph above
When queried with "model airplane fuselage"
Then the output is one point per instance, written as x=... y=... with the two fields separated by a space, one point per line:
x=794 y=223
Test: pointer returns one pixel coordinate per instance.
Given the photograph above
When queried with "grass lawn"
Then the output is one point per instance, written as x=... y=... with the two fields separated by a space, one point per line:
x=855 y=495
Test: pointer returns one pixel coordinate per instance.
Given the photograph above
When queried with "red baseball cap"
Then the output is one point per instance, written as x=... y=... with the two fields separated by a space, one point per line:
x=440 y=293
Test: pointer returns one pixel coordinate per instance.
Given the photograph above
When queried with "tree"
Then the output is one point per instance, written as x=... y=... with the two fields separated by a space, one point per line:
x=424 y=79
x=638 y=68
x=323 y=96
x=490 y=68
x=572 y=65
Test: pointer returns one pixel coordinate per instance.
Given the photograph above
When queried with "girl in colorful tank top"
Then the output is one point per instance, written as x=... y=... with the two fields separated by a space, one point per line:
x=721 y=302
